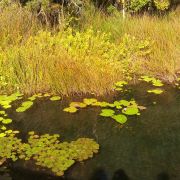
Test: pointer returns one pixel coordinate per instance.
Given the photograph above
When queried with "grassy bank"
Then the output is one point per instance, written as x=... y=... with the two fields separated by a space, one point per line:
x=88 y=57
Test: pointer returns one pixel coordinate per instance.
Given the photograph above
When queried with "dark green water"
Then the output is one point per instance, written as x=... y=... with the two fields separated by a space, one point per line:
x=147 y=147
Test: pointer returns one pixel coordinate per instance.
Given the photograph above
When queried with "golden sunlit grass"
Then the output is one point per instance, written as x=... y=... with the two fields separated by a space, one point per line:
x=90 y=58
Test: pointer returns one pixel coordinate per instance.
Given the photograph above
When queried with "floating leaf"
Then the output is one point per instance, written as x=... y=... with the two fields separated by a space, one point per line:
x=124 y=102
x=8 y=131
x=24 y=106
x=89 y=101
x=157 y=83
x=107 y=112
x=3 y=128
x=32 y=98
x=118 y=89
x=47 y=95
x=155 y=91
x=2 y=135
x=2 y=112
x=146 y=78
x=70 y=109
x=55 y=98
x=7 y=121
x=130 y=111
x=120 y=118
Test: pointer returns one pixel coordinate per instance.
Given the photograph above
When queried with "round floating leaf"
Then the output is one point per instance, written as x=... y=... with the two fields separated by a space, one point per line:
x=2 y=112
x=1 y=118
x=70 y=109
x=7 y=121
x=32 y=98
x=124 y=102
x=118 y=88
x=107 y=112
x=3 y=128
x=157 y=83
x=55 y=98
x=89 y=101
x=47 y=95
x=130 y=111
x=2 y=135
x=120 y=118
x=24 y=106
x=8 y=131
x=155 y=91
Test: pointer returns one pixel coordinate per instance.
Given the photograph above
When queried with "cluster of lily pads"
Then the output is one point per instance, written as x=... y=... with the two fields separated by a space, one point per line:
x=124 y=108
x=47 y=151
x=155 y=82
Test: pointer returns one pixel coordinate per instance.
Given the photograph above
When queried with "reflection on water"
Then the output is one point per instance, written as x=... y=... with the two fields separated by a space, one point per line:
x=146 y=148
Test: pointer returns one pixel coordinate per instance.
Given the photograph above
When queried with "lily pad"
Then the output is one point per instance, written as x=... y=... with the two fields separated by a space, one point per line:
x=2 y=135
x=157 y=83
x=70 y=109
x=107 y=112
x=2 y=112
x=120 y=118
x=55 y=98
x=7 y=121
x=155 y=91
x=130 y=111
x=89 y=101
x=124 y=102
x=24 y=106
x=3 y=128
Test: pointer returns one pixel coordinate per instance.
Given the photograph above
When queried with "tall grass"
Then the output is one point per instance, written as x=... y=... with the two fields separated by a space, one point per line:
x=90 y=58
x=163 y=31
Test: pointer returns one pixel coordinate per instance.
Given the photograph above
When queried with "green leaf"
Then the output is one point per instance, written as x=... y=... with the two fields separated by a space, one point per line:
x=120 y=118
x=7 y=121
x=70 y=109
x=107 y=112
x=24 y=106
x=2 y=135
x=89 y=101
x=155 y=91
x=130 y=111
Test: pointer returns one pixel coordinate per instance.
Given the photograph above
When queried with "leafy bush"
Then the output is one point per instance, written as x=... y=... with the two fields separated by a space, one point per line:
x=162 y=4
x=137 y=5
x=69 y=62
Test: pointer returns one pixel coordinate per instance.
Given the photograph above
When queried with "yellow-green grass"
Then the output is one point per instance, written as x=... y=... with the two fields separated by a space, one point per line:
x=163 y=31
x=86 y=59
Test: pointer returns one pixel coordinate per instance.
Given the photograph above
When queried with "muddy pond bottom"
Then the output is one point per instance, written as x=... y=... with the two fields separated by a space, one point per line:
x=147 y=147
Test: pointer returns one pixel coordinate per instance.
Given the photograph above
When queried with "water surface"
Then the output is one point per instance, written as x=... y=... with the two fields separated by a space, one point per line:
x=147 y=147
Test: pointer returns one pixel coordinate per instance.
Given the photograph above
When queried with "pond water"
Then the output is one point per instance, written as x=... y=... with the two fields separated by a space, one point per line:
x=147 y=147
